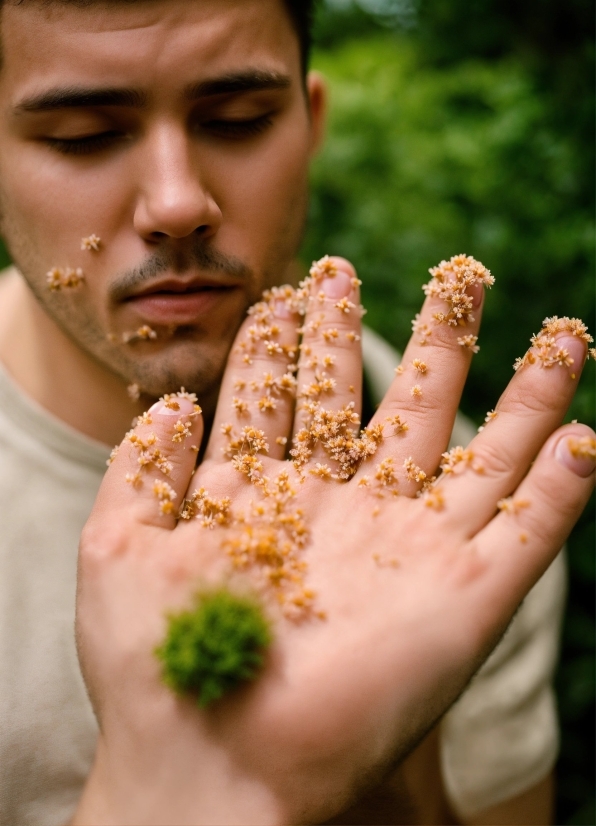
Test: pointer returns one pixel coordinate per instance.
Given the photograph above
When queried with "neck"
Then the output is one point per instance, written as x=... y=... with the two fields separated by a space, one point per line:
x=56 y=373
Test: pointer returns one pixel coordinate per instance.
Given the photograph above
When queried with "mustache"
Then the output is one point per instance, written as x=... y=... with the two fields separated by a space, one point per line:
x=179 y=261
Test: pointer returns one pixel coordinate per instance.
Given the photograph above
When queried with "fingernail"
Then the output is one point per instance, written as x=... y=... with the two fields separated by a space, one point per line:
x=176 y=406
x=577 y=453
x=476 y=292
x=338 y=286
x=281 y=310
x=576 y=348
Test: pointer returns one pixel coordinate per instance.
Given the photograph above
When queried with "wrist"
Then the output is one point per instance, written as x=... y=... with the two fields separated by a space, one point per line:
x=163 y=788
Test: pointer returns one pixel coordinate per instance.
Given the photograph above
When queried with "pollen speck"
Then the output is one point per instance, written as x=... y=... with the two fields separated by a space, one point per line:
x=91 y=242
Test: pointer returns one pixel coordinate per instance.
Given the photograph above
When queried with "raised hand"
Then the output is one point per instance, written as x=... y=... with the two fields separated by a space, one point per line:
x=383 y=602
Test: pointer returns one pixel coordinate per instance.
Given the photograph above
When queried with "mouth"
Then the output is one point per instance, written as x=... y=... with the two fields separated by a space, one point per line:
x=175 y=301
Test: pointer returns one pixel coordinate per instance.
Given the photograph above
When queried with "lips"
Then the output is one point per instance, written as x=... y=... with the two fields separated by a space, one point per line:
x=174 y=301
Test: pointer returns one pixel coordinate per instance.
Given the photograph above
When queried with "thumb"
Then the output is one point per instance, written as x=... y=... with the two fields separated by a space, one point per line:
x=150 y=471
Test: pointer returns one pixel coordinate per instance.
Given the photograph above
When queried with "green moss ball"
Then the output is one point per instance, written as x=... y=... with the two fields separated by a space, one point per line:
x=216 y=645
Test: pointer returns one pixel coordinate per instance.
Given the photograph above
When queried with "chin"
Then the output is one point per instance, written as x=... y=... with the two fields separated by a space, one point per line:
x=168 y=375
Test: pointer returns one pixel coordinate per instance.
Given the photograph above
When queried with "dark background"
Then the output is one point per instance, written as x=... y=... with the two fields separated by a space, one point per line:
x=468 y=126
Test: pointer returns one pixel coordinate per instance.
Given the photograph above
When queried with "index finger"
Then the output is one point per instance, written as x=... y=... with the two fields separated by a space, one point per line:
x=151 y=469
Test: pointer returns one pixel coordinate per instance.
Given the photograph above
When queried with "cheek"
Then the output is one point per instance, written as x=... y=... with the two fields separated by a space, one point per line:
x=262 y=195
x=48 y=205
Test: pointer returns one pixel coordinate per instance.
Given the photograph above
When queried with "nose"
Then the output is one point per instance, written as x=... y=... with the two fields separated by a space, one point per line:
x=172 y=201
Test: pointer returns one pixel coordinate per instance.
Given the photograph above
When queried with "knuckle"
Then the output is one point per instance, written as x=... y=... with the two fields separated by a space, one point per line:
x=444 y=339
x=528 y=397
x=496 y=459
x=261 y=360
x=330 y=331
x=549 y=497
x=102 y=539
x=415 y=411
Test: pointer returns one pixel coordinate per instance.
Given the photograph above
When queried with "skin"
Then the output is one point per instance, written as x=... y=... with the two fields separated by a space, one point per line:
x=330 y=713
x=171 y=193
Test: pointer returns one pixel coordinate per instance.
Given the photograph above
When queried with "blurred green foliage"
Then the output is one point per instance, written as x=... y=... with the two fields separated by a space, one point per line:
x=468 y=127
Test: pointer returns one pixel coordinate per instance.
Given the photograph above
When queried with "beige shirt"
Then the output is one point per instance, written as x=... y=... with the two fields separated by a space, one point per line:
x=49 y=476
x=498 y=740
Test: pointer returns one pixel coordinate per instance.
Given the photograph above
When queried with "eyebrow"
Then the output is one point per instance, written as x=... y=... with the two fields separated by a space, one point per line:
x=80 y=98
x=252 y=80
x=84 y=98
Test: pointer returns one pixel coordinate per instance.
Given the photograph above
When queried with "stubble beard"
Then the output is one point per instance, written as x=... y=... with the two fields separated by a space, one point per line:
x=187 y=356
x=188 y=359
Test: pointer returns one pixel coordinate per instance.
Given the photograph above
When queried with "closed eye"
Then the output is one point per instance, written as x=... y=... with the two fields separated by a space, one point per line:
x=86 y=145
x=238 y=128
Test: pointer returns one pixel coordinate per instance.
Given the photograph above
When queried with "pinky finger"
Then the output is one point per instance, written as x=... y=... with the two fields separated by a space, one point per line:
x=532 y=525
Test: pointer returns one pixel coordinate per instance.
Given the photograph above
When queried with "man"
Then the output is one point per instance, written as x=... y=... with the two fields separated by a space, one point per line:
x=179 y=135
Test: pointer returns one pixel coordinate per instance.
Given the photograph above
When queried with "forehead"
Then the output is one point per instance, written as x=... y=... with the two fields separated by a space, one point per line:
x=160 y=44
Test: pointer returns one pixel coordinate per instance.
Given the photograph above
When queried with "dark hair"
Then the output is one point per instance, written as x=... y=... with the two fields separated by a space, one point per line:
x=301 y=14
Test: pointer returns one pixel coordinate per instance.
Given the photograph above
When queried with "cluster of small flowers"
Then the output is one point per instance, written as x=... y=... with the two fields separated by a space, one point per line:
x=384 y=481
x=263 y=336
x=449 y=283
x=456 y=459
x=264 y=332
x=413 y=472
x=250 y=441
x=91 y=243
x=271 y=387
x=433 y=498
x=64 y=279
x=421 y=329
x=182 y=430
x=269 y=537
x=469 y=342
x=583 y=448
x=165 y=495
x=322 y=269
x=452 y=461
x=209 y=511
x=149 y=456
x=490 y=416
x=544 y=349
x=144 y=333
x=322 y=384
x=398 y=425
x=511 y=505
x=338 y=434
x=269 y=540
x=67 y=278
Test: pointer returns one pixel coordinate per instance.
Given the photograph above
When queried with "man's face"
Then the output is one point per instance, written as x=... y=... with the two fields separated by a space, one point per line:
x=179 y=133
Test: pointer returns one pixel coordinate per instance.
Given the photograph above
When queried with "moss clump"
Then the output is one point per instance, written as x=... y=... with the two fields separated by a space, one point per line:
x=216 y=645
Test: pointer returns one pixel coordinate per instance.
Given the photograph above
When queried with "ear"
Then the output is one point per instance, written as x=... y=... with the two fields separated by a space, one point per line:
x=316 y=90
